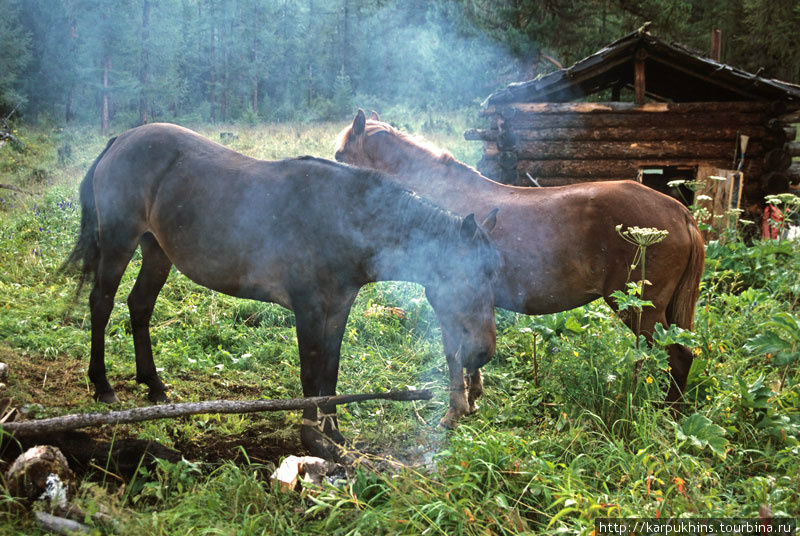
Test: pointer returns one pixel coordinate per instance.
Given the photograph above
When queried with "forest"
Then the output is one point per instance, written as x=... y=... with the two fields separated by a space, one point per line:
x=118 y=64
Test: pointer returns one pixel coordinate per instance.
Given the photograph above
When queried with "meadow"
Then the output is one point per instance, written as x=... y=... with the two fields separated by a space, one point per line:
x=566 y=432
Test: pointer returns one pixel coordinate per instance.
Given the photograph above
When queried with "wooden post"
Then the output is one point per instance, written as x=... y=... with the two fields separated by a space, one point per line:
x=716 y=44
x=638 y=76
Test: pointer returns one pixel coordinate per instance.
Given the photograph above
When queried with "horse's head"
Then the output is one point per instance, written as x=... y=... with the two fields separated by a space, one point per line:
x=354 y=145
x=463 y=297
x=373 y=144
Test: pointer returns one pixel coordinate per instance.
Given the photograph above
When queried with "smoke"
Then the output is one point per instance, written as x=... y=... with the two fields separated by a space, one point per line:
x=232 y=60
x=437 y=57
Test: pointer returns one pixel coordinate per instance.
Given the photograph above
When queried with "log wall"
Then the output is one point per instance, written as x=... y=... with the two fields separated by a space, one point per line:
x=563 y=143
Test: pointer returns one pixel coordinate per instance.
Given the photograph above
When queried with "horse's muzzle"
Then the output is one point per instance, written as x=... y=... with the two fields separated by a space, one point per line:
x=476 y=360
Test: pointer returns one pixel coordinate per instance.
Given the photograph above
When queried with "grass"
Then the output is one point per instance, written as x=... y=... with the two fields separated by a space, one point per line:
x=553 y=447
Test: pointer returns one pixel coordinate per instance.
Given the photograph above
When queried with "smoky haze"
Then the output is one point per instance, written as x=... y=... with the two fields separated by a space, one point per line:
x=127 y=63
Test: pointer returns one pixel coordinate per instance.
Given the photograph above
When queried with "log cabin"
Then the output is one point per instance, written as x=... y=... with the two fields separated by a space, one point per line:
x=644 y=109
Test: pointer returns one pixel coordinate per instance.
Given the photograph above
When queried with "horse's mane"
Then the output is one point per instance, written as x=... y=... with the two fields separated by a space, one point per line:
x=394 y=192
x=427 y=149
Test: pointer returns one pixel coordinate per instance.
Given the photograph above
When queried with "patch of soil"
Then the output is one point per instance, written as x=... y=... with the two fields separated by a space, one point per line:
x=58 y=386
x=258 y=443
x=122 y=457
x=50 y=383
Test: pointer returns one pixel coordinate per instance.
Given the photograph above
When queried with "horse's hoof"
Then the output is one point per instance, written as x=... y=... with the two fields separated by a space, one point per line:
x=323 y=446
x=157 y=396
x=108 y=397
x=447 y=423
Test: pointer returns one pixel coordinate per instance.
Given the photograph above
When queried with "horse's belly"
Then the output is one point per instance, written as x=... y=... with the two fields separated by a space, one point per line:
x=242 y=285
x=537 y=288
x=232 y=271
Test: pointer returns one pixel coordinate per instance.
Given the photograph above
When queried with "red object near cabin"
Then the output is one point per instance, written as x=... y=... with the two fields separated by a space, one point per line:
x=770 y=222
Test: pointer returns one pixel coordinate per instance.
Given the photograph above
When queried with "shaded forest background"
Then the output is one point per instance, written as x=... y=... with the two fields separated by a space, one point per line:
x=118 y=64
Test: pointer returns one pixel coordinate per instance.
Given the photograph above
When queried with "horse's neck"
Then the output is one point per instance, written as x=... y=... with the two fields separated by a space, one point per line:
x=409 y=244
x=443 y=178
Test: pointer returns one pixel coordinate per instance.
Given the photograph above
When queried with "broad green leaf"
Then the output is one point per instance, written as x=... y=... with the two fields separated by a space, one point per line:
x=768 y=342
x=699 y=431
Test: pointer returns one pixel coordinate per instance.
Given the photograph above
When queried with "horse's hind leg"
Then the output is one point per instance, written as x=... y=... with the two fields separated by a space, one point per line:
x=112 y=264
x=680 y=362
x=680 y=357
x=141 y=301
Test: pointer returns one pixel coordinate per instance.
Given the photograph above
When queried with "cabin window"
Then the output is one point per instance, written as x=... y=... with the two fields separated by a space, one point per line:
x=659 y=177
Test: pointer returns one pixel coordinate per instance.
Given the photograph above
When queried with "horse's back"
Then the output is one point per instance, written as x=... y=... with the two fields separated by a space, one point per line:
x=243 y=226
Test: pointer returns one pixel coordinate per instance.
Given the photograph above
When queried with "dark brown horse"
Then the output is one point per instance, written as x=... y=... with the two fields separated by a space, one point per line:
x=559 y=247
x=304 y=233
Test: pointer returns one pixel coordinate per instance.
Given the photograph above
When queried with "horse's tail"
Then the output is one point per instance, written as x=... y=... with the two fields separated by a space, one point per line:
x=85 y=254
x=680 y=310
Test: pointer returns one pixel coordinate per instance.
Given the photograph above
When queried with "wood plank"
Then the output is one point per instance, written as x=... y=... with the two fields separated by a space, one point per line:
x=638 y=77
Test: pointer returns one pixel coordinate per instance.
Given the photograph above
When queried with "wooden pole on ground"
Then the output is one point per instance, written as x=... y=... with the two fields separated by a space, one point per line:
x=169 y=411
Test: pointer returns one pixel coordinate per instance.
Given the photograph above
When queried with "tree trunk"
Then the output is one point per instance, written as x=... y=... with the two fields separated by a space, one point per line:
x=212 y=76
x=69 y=112
x=255 y=75
x=105 y=105
x=310 y=84
x=144 y=68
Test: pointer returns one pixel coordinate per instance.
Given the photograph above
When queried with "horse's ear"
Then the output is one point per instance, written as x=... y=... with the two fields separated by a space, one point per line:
x=468 y=227
x=490 y=221
x=373 y=116
x=359 y=123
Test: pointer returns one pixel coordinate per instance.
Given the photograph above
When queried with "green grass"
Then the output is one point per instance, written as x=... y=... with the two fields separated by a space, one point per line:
x=554 y=445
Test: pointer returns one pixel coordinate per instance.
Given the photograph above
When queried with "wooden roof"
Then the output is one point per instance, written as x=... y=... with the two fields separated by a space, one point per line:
x=672 y=73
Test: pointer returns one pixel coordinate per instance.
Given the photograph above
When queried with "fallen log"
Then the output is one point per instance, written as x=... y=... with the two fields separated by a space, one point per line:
x=60 y=525
x=168 y=411
x=15 y=189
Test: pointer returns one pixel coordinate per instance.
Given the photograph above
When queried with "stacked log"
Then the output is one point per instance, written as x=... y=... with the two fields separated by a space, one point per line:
x=563 y=143
x=619 y=138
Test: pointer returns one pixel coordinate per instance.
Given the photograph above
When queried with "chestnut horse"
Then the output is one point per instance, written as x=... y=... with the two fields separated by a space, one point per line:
x=305 y=233
x=558 y=245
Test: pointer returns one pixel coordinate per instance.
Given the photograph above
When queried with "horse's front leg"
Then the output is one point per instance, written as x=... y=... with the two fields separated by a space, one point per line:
x=459 y=405
x=474 y=388
x=319 y=340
